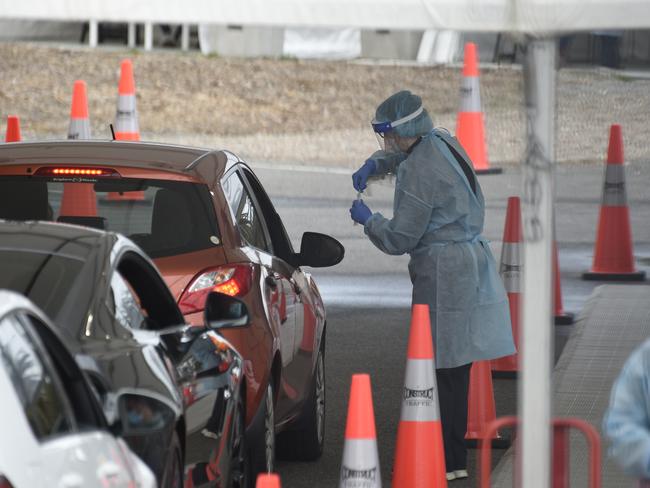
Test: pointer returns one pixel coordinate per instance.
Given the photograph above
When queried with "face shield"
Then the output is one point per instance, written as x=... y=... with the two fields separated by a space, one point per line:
x=386 y=133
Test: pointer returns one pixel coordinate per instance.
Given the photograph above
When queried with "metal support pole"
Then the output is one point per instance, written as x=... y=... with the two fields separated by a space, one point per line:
x=131 y=35
x=185 y=37
x=148 y=36
x=537 y=336
x=425 y=51
x=93 y=33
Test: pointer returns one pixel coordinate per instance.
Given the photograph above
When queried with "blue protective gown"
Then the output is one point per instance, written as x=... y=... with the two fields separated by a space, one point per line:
x=438 y=220
x=627 y=420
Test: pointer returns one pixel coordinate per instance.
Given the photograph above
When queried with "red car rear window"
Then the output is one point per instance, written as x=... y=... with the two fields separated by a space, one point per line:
x=164 y=217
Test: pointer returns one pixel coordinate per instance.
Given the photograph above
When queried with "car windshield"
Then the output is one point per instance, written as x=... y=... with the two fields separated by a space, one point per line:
x=44 y=278
x=163 y=217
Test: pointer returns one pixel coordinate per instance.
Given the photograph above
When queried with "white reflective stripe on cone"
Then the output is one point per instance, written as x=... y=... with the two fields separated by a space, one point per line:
x=614 y=194
x=470 y=94
x=510 y=269
x=360 y=468
x=420 y=394
x=79 y=129
x=126 y=119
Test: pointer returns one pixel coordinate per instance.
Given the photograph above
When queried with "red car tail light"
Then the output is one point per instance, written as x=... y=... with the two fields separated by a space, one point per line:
x=234 y=280
x=4 y=482
x=68 y=171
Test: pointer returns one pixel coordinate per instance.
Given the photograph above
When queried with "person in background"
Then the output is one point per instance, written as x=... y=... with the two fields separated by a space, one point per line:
x=627 y=420
x=438 y=213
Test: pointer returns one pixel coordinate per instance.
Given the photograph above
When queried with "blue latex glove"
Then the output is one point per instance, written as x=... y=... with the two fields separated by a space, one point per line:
x=360 y=212
x=360 y=177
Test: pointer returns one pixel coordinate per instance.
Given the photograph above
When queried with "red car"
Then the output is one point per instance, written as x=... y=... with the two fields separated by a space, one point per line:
x=206 y=221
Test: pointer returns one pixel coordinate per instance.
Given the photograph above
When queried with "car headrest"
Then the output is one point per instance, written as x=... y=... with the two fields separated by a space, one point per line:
x=86 y=221
x=24 y=200
x=171 y=221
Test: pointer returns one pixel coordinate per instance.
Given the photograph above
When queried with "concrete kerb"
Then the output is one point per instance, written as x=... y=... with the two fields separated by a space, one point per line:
x=612 y=323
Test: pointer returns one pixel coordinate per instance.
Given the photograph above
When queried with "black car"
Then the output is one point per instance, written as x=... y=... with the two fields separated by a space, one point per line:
x=171 y=390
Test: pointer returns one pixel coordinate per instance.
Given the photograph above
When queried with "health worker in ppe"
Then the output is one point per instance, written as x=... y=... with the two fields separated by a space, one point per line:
x=627 y=420
x=438 y=212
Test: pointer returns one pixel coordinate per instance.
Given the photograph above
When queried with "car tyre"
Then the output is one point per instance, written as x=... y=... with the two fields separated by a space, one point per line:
x=173 y=477
x=264 y=453
x=304 y=441
x=239 y=465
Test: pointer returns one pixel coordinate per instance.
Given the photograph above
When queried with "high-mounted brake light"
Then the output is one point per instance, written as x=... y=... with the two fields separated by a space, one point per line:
x=75 y=171
x=234 y=280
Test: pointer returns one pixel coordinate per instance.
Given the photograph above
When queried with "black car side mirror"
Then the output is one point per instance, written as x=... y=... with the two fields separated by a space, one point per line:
x=318 y=251
x=223 y=311
x=142 y=415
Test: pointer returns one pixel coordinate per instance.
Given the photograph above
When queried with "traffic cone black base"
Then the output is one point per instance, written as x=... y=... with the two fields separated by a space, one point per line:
x=489 y=171
x=635 y=276
x=502 y=442
x=504 y=375
x=567 y=318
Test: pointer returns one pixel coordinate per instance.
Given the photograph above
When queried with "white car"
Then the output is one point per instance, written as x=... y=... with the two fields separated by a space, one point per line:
x=53 y=432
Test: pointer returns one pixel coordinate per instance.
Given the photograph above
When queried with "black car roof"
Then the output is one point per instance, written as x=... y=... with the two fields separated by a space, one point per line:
x=96 y=248
x=48 y=237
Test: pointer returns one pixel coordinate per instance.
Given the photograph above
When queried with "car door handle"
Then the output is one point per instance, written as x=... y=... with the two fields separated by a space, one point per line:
x=295 y=286
x=271 y=282
x=71 y=480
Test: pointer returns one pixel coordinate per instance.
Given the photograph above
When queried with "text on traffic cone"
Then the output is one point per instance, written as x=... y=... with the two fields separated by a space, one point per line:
x=510 y=270
x=360 y=466
x=419 y=453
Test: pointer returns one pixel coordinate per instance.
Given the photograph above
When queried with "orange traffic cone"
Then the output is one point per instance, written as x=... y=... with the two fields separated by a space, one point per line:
x=470 y=130
x=561 y=317
x=13 y=129
x=360 y=465
x=270 y=480
x=126 y=120
x=419 y=453
x=480 y=406
x=510 y=271
x=79 y=122
x=613 y=254
x=78 y=198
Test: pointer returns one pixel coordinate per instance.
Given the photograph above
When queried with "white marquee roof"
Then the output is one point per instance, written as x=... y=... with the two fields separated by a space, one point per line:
x=523 y=16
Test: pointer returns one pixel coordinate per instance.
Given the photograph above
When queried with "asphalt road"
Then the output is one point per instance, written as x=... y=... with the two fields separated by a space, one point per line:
x=368 y=295
x=374 y=342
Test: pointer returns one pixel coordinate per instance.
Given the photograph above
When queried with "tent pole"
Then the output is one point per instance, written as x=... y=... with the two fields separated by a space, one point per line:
x=535 y=392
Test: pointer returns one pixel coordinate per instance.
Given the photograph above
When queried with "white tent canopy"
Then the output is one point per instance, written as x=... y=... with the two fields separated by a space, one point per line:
x=538 y=20
x=521 y=16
